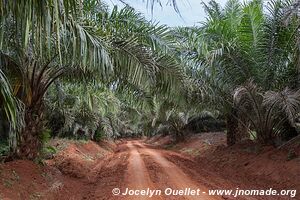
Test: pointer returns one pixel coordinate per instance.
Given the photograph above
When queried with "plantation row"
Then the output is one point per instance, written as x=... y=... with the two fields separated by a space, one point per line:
x=79 y=69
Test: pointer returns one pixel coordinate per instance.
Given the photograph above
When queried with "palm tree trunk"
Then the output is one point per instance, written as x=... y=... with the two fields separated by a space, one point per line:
x=30 y=144
x=179 y=136
x=232 y=127
x=243 y=129
x=289 y=132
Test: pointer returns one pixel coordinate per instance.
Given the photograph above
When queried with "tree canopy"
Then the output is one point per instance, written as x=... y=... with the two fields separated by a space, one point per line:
x=82 y=69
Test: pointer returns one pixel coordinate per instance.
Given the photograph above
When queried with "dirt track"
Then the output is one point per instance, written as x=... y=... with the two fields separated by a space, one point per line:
x=171 y=176
x=81 y=172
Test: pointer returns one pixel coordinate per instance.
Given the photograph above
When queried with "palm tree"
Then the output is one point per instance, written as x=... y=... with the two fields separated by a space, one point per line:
x=267 y=111
x=82 y=41
x=237 y=43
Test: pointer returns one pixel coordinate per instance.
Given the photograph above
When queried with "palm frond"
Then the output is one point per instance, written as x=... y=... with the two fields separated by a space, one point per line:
x=7 y=99
x=287 y=101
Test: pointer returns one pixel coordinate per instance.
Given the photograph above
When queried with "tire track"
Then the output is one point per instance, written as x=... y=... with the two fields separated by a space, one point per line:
x=174 y=177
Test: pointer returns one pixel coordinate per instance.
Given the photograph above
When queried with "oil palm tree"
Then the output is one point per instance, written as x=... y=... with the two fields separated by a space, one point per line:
x=267 y=111
x=80 y=40
x=236 y=43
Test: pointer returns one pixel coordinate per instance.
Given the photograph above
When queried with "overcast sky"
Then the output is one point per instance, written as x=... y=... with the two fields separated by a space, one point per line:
x=191 y=11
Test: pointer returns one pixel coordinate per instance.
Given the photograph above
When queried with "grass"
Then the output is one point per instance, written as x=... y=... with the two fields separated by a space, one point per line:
x=291 y=155
x=45 y=175
x=253 y=135
x=170 y=146
x=4 y=148
x=16 y=177
x=35 y=196
x=9 y=182
x=63 y=143
x=191 y=151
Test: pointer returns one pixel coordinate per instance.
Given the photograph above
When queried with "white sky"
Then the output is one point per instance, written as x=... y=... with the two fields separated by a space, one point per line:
x=191 y=11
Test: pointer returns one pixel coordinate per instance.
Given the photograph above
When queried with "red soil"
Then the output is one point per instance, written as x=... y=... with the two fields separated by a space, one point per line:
x=244 y=165
x=58 y=179
x=24 y=180
x=77 y=160
x=91 y=171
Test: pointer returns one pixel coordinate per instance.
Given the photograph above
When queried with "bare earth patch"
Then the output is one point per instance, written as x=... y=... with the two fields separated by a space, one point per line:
x=89 y=170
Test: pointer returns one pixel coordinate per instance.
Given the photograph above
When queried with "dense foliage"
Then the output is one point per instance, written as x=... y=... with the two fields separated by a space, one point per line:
x=79 y=69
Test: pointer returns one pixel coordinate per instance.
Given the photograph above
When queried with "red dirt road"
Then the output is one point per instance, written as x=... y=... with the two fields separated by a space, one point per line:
x=138 y=177
x=131 y=170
